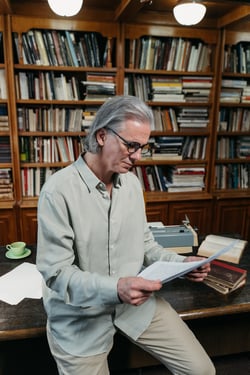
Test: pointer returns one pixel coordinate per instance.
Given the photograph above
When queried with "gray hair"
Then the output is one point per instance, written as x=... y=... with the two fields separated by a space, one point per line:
x=113 y=113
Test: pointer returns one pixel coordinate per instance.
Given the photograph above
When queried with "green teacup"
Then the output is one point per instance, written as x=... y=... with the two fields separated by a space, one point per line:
x=17 y=248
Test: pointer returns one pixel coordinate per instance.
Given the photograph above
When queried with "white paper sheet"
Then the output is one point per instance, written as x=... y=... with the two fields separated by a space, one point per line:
x=24 y=281
x=167 y=271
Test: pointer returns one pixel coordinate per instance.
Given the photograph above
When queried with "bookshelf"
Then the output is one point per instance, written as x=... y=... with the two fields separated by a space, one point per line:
x=175 y=75
x=8 y=228
x=6 y=167
x=232 y=167
x=46 y=127
x=57 y=69
x=230 y=170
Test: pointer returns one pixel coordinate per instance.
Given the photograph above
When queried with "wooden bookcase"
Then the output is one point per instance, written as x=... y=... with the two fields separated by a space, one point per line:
x=176 y=74
x=8 y=212
x=172 y=207
x=233 y=116
x=231 y=168
x=37 y=139
x=20 y=213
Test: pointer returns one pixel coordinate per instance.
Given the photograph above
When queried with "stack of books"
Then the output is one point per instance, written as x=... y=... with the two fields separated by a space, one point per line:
x=168 y=147
x=99 y=86
x=5 y=150
x=196 y=88
x=166 y=89
x=6 y=184
x=182 y=179
x=225 y=278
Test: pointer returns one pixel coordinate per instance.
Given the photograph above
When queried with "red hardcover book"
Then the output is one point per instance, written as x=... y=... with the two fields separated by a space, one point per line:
x=226 y=274
x=145 y=178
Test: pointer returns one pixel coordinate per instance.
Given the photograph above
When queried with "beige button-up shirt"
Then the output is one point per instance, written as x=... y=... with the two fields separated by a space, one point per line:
x=86 y=242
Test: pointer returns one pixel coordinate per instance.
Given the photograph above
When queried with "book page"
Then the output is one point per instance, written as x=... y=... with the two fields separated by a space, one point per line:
x=213 y=243
x=215 y=240
x=167 y=271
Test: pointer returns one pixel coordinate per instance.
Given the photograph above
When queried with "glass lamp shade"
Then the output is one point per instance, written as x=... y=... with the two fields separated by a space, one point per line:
x=66 y=8
x=189 y=12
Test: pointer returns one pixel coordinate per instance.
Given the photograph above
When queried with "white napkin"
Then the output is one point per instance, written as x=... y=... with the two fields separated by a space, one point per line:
x=24 y=281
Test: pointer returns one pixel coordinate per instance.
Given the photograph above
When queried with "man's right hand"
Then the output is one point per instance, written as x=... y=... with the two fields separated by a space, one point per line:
x=136 y=290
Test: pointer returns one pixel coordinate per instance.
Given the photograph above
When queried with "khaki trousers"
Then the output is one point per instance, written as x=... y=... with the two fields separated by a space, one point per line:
x=167 y=338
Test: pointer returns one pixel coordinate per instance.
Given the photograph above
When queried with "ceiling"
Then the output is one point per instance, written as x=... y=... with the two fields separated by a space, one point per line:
x=220 y=13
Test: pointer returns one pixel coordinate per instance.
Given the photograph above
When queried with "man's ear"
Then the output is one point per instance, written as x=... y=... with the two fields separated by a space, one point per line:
x=100 y=136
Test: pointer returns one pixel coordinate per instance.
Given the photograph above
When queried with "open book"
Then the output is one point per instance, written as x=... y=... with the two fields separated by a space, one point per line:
x=167 y=271
x=213 y=243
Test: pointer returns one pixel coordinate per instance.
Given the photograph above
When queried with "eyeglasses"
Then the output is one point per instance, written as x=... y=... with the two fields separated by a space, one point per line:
x=133 y=147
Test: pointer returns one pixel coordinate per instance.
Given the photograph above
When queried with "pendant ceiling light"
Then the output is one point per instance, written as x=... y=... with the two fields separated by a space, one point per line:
x=189 y=12
x=66 y=8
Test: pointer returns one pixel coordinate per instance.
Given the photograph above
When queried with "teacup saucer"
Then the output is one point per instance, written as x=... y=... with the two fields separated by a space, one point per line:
x=10 y=255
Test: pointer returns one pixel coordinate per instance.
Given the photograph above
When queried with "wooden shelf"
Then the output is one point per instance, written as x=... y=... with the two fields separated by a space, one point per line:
x=202 y=206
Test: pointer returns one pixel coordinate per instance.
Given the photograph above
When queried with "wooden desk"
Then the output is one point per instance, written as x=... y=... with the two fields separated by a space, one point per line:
x=221 y=323
x=27 y=319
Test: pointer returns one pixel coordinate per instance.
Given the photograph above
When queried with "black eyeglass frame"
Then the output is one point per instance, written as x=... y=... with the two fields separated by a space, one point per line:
x=135 y=146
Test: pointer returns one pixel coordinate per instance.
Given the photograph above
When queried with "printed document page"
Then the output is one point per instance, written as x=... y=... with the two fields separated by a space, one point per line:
x=167 y=271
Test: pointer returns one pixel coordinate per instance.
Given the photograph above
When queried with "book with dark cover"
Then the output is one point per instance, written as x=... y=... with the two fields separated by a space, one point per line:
x=70 y=37
x=226 y=274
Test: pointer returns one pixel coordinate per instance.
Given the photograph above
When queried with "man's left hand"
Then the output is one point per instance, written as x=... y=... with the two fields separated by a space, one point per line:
x=200 y=273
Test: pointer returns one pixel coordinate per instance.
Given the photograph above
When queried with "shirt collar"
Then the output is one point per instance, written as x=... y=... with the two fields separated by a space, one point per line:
x=90 y=179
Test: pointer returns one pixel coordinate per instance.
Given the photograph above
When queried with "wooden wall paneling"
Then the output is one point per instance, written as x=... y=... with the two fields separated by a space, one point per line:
x=8 y=230
x=199 y=214
x=157 y=212
x=28 y=222
x=232 y=216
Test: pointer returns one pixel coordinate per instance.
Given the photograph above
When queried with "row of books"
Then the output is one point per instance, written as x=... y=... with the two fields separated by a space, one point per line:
x=49 y=119
x=168 y=53
x=33 y=180
x=236 y=147
x=50 y=150
x=5 y=150
x=6 y=183
x=168 y=89
x=234 y=119
x=181 y=118
x=47 y=86
x=170 y=178
x=237 y=58
x=62 y=48
x=233 y=176
x=177 y=148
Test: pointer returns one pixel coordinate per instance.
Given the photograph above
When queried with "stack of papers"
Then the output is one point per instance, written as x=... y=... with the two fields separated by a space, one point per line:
x=24 y=281
x=167 y=271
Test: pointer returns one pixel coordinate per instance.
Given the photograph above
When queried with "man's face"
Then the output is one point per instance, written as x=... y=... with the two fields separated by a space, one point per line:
x=115 y=155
